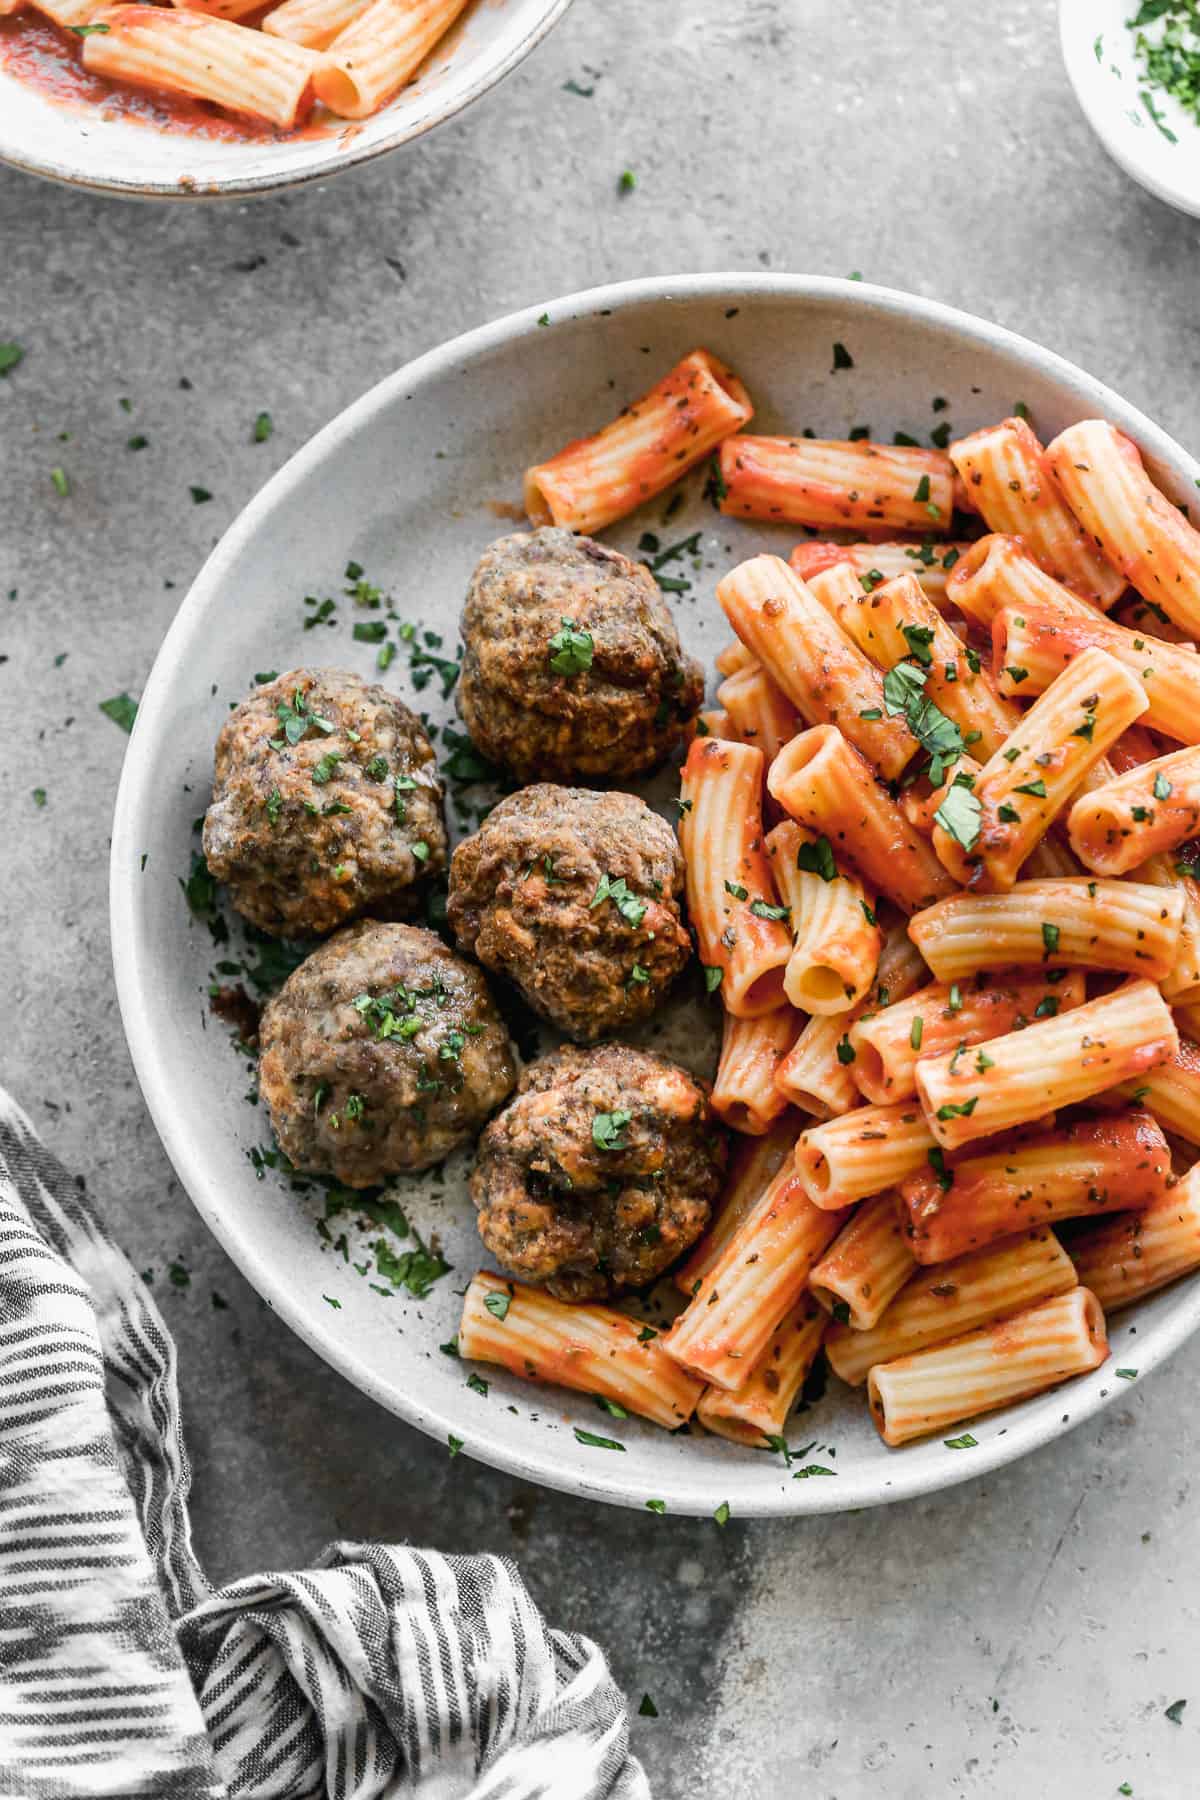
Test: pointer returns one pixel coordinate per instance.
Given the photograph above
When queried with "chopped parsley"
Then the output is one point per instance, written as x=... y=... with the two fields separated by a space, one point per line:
x=572 y=649
x=264 y=425
x=763 y=910
x=842 y=359
x=594 y=1442
x=960 y=1109
x=1162 y=787
x=631 y=909
x=10 y=356
x=1050 y=937
x=817 y=859
x=965 y=1442
x=739 y=893
x=845 y=1051
x=916 y=1033
x=647 y=1709
x=713 y=977
x=326 y=768
x=607 y=1128
x=959 y=816
x=919 y=638
x=1036 y=788
x=721 y=1515
x=121 y=710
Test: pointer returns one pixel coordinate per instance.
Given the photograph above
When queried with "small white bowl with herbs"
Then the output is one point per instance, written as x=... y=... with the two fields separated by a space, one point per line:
x=1135 y=68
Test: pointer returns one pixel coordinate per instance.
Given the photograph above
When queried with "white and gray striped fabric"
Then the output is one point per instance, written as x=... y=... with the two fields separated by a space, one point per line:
x=382 y=1672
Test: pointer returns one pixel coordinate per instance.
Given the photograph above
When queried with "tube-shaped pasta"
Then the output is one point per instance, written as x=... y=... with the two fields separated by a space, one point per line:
x=597 y=479
x=67 y=13
x=210 y=59
x=833 y=484
x=836 y=935
x=1148 y=810
x=380 y=50
x=591 y=1348
x=997 y=571
x=825 y=676
x=744 y=1092
x=1093 y=1165
x=816 y=1074
x=888 y=1045
x=758 y=1410
x=861 y=1153
x=733 y=657
x=822 y=781
x=1100 y=474
x=314 y=23
x=714 y=723
x=761 y=712
x=1172 y=1092
x=1183 y=982
x=753 y=1166
x=898 y=622
x=739 y=926
x=935 y=1305
x=1128 y=926
x=872 y=563
x=1024 y=1355
x=1134 y=1254
x=813 y=1075
x=866 y=1265
x=1026 y=783
x=1051 y=1063
x=1004 y=471
x=1141 y=615
x=759 y=1277
x=1037 y=642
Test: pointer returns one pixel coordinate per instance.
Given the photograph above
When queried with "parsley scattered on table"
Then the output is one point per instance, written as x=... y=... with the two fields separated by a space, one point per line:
x=121 y=709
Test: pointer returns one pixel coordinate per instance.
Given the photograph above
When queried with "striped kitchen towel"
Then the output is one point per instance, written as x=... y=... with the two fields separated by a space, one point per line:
x=382 y=1672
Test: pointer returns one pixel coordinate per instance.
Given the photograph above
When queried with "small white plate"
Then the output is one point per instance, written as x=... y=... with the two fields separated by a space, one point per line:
x=74 y=140
x=411 y=482
x=1098 y=49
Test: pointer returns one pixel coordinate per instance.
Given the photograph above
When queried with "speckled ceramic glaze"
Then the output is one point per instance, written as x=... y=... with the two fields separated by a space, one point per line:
x=76 y=143
x=1098 y=49
x=407 y=483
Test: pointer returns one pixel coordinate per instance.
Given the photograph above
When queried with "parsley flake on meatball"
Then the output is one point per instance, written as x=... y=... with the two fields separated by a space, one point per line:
x=326 y=803
x=573 y=895
x=382 y=1052
x=601 y=1172
x=572 y=666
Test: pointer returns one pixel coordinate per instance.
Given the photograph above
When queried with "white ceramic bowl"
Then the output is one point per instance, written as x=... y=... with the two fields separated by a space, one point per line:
x=405 y=483
x=1098 y=49
x=73 y=141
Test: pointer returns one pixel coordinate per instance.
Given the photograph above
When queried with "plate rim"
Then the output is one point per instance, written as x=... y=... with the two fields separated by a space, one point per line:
x=486 y=1443
x=333 y=162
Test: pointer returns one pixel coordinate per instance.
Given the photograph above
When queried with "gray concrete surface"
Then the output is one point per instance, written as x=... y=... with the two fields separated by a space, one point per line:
x=1021 y=1635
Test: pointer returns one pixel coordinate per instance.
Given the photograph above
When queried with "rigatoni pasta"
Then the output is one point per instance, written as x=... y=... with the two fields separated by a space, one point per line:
x=1074 y=922
x=826 y=677
x=861 y=1153
x=1004 y=470
x=1149 y=809
x=832 y=484
x=938 y=1304
x=888 y=1044
x=657 y=438
x=591 y=1348
x=836 y=934
x=1026 y=783
x=740 y=926
x=757 y=1411
x=210 y=59
x=875 y=563
x=934 y=1389
x=1133 y=1254
x=744 y=1093
x=753 y=1167
x=825 y=784
x=1101 y=476
x=1092 y=1165
x=866 y=1265
x=1051 y=1064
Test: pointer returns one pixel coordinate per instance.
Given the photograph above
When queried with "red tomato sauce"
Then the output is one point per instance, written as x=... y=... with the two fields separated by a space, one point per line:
x=34 y=50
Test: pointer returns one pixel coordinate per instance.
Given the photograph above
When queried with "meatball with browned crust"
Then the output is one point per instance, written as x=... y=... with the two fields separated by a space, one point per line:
x=326 y=803
x=572 y=666
x=600 y=1173
x=383 y=1051
x=574 y=896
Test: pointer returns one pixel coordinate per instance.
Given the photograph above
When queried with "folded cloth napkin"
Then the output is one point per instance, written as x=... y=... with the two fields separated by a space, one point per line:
x=382 y=1672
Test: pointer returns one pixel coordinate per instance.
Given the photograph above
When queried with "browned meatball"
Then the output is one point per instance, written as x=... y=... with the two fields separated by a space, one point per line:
x=326 y=803
x=572 y=665
x=383 y=1051
x=600 y=1173
x=574 y=896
